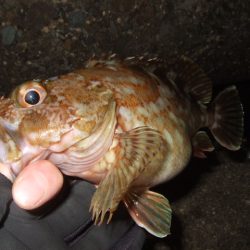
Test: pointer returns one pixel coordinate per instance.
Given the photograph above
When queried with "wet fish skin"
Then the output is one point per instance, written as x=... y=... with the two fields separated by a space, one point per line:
x=121 y=128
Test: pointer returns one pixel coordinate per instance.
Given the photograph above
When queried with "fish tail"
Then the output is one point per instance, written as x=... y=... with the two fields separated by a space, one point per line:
x=226 y=119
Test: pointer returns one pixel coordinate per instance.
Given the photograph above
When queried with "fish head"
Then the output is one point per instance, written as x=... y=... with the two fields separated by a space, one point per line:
x=43 y=117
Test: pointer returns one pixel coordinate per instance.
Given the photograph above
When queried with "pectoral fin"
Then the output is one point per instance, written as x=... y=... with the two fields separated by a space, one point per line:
x=134 y=152
x=151 y=211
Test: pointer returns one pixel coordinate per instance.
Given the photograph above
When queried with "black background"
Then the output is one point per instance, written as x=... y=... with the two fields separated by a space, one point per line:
x=41 y=39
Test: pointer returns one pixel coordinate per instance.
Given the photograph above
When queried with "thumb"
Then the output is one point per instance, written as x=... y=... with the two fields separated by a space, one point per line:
x=36 y=184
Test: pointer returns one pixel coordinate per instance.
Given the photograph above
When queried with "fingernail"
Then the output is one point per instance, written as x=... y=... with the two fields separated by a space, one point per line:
x=29 y=190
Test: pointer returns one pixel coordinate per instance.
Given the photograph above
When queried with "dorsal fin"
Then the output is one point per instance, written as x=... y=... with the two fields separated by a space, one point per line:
x=194 y=80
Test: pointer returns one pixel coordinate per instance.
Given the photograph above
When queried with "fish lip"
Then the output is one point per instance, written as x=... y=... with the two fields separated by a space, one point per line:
x=10 y=153
x=100 y=141
x=10 y=130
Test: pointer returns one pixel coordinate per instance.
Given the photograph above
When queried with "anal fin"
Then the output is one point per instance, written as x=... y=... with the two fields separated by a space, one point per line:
x=201 y=143
x=150 y=211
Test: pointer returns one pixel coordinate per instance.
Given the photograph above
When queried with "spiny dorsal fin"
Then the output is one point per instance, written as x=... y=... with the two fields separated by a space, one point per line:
x=143 y=62
x=149 y=64
x=105 y=60
x=194 y=80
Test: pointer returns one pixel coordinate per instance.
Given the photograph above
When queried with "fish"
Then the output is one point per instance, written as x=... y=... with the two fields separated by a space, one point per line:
x=119 y=125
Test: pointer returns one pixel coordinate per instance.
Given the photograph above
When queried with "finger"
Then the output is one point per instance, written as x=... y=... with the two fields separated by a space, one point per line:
x=36 y=184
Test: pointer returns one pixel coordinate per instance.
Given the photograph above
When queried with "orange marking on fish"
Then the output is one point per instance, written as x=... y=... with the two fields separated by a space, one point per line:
x=120 y=127
x=130 y=101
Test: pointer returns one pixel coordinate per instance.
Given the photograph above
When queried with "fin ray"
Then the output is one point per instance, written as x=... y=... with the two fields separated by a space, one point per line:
x=227 y=119
x=151 y=211
x=194 y=80
x=136 y=148
x=201 y=143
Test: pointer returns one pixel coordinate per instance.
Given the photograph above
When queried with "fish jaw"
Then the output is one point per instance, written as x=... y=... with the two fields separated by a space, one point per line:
x=16 y=153
x=76 y=150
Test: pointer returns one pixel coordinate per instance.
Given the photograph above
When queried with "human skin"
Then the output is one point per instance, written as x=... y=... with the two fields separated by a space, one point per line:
x=36 y=184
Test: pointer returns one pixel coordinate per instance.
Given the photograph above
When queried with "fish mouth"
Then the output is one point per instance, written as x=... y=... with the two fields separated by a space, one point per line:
x=8 y=148
x=9 y=152
x=75 y=152
x=87 y=152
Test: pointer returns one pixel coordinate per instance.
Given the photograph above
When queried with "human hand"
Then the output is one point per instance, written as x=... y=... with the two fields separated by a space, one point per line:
x=64 y=222
x=36 y=184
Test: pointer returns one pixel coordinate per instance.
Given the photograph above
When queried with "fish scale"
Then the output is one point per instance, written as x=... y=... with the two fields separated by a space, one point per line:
x=121 y=127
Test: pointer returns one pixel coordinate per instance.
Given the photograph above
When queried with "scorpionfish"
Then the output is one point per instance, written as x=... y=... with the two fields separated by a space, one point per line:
x=121 y=127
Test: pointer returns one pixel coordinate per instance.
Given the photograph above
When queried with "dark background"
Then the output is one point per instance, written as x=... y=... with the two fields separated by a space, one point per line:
x=39 y=39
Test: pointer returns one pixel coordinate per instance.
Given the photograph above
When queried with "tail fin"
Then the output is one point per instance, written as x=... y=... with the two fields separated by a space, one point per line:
x=226 y=124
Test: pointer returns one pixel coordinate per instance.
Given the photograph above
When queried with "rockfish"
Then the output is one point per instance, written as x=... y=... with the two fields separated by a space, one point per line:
x=120 y=127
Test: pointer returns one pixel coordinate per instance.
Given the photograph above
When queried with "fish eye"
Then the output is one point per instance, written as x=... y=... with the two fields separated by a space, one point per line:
x=32 y=97
x=30 y=94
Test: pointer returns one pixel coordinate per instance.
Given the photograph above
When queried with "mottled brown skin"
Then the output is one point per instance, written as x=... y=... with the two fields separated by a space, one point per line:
x=85 y=123
x=79 y=101
x=165 y=108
